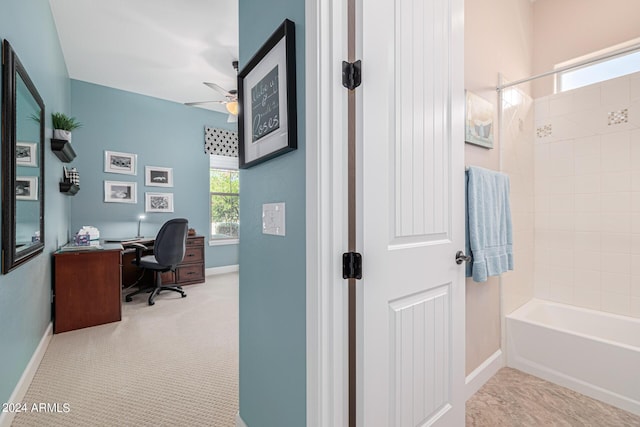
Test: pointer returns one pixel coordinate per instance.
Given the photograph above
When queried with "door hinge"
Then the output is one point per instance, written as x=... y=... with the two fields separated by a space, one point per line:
x=351 y=265
x=52 y=296
x=351 y=74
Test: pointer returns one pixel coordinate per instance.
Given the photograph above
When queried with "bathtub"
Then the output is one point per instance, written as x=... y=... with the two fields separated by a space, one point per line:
x=592 y=352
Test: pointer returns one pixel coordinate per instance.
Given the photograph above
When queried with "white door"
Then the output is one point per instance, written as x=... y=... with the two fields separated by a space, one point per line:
x=411 y=122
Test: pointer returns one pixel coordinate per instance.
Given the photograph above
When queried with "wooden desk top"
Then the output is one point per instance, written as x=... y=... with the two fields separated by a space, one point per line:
x=71 y=248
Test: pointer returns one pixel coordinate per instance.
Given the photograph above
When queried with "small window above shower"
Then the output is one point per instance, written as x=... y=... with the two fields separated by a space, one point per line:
x=599 y=66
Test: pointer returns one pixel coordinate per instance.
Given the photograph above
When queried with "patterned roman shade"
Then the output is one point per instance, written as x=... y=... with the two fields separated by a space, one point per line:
x=220 y=142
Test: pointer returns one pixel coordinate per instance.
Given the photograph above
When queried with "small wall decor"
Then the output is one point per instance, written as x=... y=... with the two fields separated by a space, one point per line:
x=158 y=202
x=267 y=124
x=478 y=121
x=158 y=176
x=72 y=176
x=26 y=188
x=120 y=192
x=115 y=162
x=220 y=142
x=26 y=154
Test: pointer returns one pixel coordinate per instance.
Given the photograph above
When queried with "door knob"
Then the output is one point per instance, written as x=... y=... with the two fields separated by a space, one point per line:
x=461 y=257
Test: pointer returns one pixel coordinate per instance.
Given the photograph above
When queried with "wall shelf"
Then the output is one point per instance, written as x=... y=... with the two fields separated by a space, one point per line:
x=63 y=150
x=69 y=189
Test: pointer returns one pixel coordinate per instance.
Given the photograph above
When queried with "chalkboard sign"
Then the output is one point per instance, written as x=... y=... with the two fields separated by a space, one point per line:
x=267 y=124
x=265 y=105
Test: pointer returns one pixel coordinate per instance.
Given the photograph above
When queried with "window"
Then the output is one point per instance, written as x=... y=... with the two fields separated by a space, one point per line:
x=627 y=62
x=224 y=185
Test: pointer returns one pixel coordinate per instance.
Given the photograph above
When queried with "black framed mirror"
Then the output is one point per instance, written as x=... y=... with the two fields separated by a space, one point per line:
x=22 y=164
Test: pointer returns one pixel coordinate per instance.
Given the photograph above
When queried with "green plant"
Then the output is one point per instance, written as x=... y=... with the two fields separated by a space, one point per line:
x=64 y=122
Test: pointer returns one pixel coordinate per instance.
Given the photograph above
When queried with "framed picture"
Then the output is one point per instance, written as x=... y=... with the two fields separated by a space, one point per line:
x=26 y=154
x=478 y=121
x=157 y=176
x=120 y=192
x=115 y=162
x=26 y=188
x=267 y=124
x=158 y=202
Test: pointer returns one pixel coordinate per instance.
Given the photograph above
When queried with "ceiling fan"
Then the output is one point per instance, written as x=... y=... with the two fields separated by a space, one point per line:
x=230 y=100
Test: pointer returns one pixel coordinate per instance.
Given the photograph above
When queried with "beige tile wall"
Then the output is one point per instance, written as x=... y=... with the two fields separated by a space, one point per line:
x=587 y=196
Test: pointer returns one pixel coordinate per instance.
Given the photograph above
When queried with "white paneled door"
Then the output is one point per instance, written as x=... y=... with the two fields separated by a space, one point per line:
x=411 y=123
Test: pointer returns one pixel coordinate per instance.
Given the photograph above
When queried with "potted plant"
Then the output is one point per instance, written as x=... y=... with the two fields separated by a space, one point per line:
x=63 y=125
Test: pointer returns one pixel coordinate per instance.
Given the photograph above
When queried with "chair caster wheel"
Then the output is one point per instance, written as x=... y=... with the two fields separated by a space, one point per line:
x=152 y=302
x=184 y=295
x=128 y=299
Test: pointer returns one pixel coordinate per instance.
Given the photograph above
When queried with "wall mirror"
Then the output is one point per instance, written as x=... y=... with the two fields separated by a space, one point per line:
x=22 y=164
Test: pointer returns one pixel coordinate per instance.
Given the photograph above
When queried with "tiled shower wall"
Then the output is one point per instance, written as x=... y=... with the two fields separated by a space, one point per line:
x=587 y=196
x=516 y=147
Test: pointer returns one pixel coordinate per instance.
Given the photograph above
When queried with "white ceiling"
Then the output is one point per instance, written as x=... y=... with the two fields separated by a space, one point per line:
x=159 y=48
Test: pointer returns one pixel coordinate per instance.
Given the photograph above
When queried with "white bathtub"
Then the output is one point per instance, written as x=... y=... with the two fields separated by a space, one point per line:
x=591 y=352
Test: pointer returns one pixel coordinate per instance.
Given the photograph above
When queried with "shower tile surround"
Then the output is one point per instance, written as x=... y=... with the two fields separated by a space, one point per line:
x=517 y=147
x=587 y=196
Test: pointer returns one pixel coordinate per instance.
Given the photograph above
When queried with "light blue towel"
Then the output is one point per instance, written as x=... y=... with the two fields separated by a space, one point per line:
x=489 y=238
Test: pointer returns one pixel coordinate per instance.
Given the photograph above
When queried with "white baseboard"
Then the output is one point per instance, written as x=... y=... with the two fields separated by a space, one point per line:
x=476 y=379
x=221 y=270
x=6 y=418
x=239 y=421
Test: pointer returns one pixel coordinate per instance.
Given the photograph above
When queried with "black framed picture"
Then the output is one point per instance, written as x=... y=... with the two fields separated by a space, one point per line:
x=267 y=125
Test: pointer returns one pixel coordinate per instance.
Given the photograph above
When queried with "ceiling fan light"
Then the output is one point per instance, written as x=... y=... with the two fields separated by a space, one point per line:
x=232 y=107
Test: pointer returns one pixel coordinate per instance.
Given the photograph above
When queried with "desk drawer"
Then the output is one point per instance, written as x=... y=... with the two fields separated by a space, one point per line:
x=195 y=241
x=193 y=254
x=190 y=274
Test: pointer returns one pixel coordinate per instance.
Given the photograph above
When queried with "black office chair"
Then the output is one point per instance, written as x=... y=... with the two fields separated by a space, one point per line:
x=168 y=252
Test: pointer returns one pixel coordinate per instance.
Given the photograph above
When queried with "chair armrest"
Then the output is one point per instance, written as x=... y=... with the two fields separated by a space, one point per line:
x=139 y=247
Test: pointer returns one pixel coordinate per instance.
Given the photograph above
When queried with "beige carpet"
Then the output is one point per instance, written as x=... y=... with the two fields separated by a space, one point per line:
x=512 y=398
x=171 y=364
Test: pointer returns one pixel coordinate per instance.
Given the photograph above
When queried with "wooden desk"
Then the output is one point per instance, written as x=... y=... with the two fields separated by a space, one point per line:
x=87 y=287
x=189 y=271
x=88 y=282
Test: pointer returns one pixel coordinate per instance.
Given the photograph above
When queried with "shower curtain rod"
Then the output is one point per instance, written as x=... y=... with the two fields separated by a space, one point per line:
x=572 y=66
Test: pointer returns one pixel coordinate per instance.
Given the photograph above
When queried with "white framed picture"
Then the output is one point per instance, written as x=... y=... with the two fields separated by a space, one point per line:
x=158 y=202
x=115 y=162
x=27 y=154
x=120 y=192
x=26 y=188
x=479 y=121
x=158 y=176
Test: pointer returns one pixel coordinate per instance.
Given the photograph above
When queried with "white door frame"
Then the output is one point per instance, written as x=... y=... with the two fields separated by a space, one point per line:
x=326 y=213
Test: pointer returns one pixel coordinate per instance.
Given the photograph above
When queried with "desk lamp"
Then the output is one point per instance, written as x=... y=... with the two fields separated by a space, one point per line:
x=140 y=218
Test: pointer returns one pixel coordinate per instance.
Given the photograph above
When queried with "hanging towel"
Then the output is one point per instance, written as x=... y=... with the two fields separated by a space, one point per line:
x=489 y=237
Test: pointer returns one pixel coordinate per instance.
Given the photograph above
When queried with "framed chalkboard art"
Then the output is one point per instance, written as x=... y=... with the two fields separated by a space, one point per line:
x=267 y=125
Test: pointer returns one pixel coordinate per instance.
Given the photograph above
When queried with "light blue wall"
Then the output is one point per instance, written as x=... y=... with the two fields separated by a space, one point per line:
x=272 y=268
x=161 y=133
x=25 y=310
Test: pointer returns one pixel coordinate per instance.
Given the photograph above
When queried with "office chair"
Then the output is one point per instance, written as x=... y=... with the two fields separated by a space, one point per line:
x=168 y=251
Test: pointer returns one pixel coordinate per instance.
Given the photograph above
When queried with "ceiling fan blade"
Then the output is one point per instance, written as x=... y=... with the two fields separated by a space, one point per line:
x=204 y=102
x=218 y=88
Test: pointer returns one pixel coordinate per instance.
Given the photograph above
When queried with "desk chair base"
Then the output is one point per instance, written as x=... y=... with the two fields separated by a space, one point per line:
x=155 y=291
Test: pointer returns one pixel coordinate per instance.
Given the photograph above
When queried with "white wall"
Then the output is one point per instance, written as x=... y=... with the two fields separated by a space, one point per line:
x=498 y=39
x=567 y=29
x=587 y=197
